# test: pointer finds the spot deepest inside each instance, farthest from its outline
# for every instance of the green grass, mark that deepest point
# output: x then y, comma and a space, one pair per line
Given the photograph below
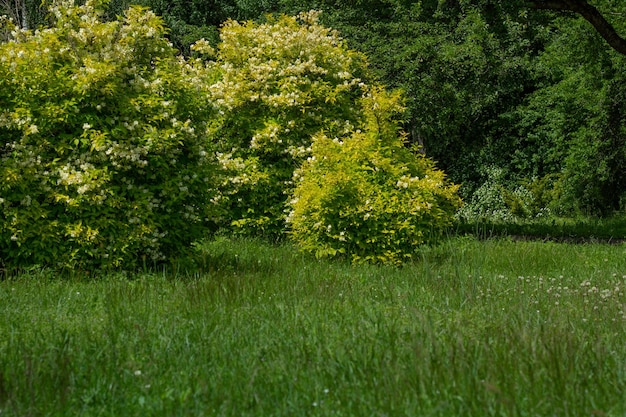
587, 229
491, 328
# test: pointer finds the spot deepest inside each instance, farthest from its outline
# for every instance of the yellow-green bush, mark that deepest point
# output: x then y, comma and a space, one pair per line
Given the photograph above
367, 196
103, 160
280, 82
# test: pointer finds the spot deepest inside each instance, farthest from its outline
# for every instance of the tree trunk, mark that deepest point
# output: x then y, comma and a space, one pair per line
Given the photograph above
24, 14
16, 10
591, 14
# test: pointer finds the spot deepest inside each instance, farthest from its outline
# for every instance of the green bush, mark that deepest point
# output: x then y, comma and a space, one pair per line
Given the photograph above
280, 83
366, 195
489, 201
103, 160
499, 199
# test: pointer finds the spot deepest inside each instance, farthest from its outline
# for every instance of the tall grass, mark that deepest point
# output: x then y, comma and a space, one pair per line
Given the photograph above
492, 328
581, 229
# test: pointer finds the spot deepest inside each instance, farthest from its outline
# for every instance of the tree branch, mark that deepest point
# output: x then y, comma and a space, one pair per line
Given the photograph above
591, 14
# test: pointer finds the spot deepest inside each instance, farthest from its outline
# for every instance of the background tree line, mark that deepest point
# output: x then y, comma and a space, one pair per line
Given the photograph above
525, 107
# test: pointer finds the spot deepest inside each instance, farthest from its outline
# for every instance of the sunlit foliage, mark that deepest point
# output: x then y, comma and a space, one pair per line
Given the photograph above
366, 195
281, 82
102, 159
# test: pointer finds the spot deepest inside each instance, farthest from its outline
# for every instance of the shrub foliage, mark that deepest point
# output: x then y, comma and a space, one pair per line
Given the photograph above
368, 196
102, 152
114, 150
280, 82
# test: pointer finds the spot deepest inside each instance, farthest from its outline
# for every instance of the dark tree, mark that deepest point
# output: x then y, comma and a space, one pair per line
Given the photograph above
591, 14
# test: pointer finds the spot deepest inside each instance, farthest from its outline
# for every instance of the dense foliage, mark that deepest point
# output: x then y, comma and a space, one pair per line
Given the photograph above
491, 85
102, 155
576, 121
495, 86
366, 195
279, 83
524, 108
108, 139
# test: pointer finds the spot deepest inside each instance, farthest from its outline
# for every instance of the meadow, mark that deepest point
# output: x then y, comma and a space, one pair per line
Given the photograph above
473, 328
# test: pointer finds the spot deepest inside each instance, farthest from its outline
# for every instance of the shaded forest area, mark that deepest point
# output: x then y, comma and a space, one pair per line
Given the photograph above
521, 102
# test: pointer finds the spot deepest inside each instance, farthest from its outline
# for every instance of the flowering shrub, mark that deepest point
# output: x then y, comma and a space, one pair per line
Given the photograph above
102, 152
280, 83
366, 195
488, 201
501, 200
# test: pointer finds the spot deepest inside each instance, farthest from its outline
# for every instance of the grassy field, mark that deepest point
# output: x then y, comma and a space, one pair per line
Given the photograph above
475, 328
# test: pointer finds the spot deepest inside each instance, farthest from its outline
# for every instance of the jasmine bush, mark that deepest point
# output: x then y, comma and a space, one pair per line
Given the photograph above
103, 158
279, 83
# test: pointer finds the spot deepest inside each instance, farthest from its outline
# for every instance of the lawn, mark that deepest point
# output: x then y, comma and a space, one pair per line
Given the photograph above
473, 328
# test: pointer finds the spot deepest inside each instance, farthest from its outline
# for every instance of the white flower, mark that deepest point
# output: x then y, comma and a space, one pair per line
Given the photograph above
402, 184
203, 46
86, 126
